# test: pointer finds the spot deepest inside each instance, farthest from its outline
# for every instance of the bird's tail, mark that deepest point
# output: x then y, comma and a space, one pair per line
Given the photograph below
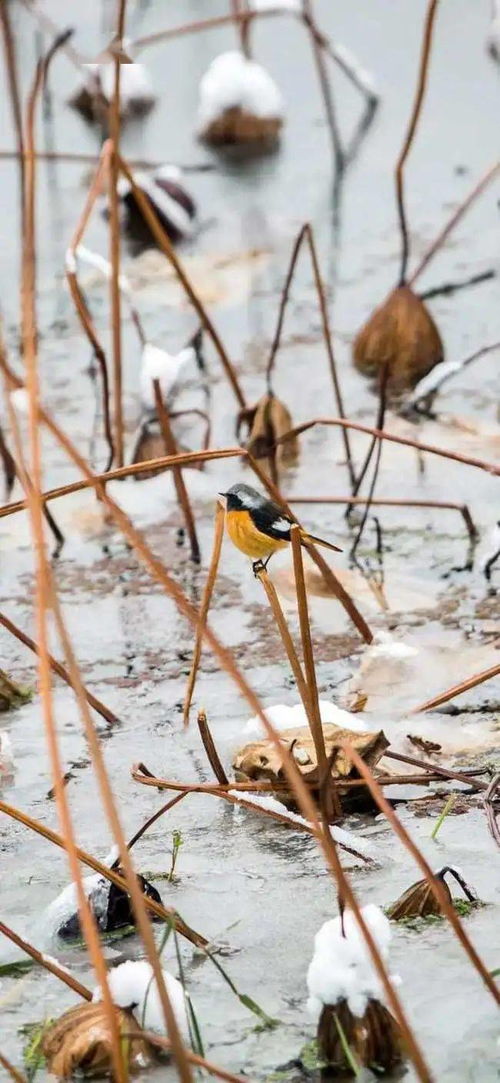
319, 541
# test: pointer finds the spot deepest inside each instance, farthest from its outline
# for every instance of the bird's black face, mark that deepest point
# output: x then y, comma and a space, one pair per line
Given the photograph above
233, 501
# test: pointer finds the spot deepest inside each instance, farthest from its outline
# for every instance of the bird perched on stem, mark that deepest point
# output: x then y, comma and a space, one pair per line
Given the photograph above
259, 527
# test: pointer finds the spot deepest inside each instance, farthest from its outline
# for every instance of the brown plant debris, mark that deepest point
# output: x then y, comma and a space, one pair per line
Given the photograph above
419, 900
260, 760
267, 422
402, 335
11, 694
374, 1038
424, 744
236, 126
80, 1042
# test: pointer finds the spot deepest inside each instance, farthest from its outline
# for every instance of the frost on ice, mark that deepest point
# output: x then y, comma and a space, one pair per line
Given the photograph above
132, 985
341, 967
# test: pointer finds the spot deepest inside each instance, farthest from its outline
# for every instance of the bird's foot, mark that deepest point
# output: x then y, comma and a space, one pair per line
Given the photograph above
258, 566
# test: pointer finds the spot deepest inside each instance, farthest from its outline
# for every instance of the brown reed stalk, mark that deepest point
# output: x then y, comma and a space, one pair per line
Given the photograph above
417, 105
55, 31
142, 920
383, 502
13, 82
114, 240
42, 575
58, 668
325, 87
44, 960
183, 458
210, 749
205, 605
286, 638
379, 424
193, 1058
90, 159
79, 299
141, 773
238, 12
232, 799
152, 819
434, 883
444, 233
405, 441
290, 769
164, 243
166, 913
14, 1073
467, 777
333, 808
306, 234
180, 485
457, 689
9, 466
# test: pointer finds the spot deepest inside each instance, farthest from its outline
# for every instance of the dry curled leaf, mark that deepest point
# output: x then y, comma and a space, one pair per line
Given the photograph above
80, 1042
267, 422
402, 335
235, 125
373, 1038
261, 761
423, 744
418, 901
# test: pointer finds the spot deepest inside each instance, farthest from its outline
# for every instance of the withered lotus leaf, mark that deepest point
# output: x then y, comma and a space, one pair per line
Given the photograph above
261, 761
80, 1042
401, 335
235, 125
267, 422
373, 1038
418, 901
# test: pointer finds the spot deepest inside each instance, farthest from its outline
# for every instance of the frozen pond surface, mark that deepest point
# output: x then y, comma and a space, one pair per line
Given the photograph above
260, 887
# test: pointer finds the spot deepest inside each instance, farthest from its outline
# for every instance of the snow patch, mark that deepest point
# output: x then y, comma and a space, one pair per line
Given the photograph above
342, 966
283, 717
132, 985
232, 81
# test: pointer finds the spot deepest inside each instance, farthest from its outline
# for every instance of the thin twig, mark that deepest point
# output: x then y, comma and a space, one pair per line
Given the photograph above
455, 456
163, 241
382, 502
448, 288
417, 105
457, 689
286, 638
152, 819
306, 234
180, 485
379, 425
205, 604
444, 233
58, 668
312, 702
210, 749
16, 1075
326, 90
467, 777
44, 960
10, 59
114, 242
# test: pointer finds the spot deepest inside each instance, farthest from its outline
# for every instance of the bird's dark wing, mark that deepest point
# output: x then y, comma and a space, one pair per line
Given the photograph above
271, 520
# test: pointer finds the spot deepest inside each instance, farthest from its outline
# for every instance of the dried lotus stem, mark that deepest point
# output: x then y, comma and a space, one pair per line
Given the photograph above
205, 605
180, 485
457, 689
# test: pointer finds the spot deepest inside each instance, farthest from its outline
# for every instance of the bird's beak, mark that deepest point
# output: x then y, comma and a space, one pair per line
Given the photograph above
221, 494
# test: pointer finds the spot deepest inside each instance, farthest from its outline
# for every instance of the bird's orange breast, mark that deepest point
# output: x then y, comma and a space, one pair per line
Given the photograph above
245, 536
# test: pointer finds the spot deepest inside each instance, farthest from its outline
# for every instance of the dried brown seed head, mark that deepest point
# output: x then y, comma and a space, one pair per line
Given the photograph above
402, 335
235, 126
373, 1038
267, 422
80, 1041
418, 901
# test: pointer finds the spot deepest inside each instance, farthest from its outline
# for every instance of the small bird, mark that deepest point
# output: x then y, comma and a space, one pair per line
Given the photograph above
259, 527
